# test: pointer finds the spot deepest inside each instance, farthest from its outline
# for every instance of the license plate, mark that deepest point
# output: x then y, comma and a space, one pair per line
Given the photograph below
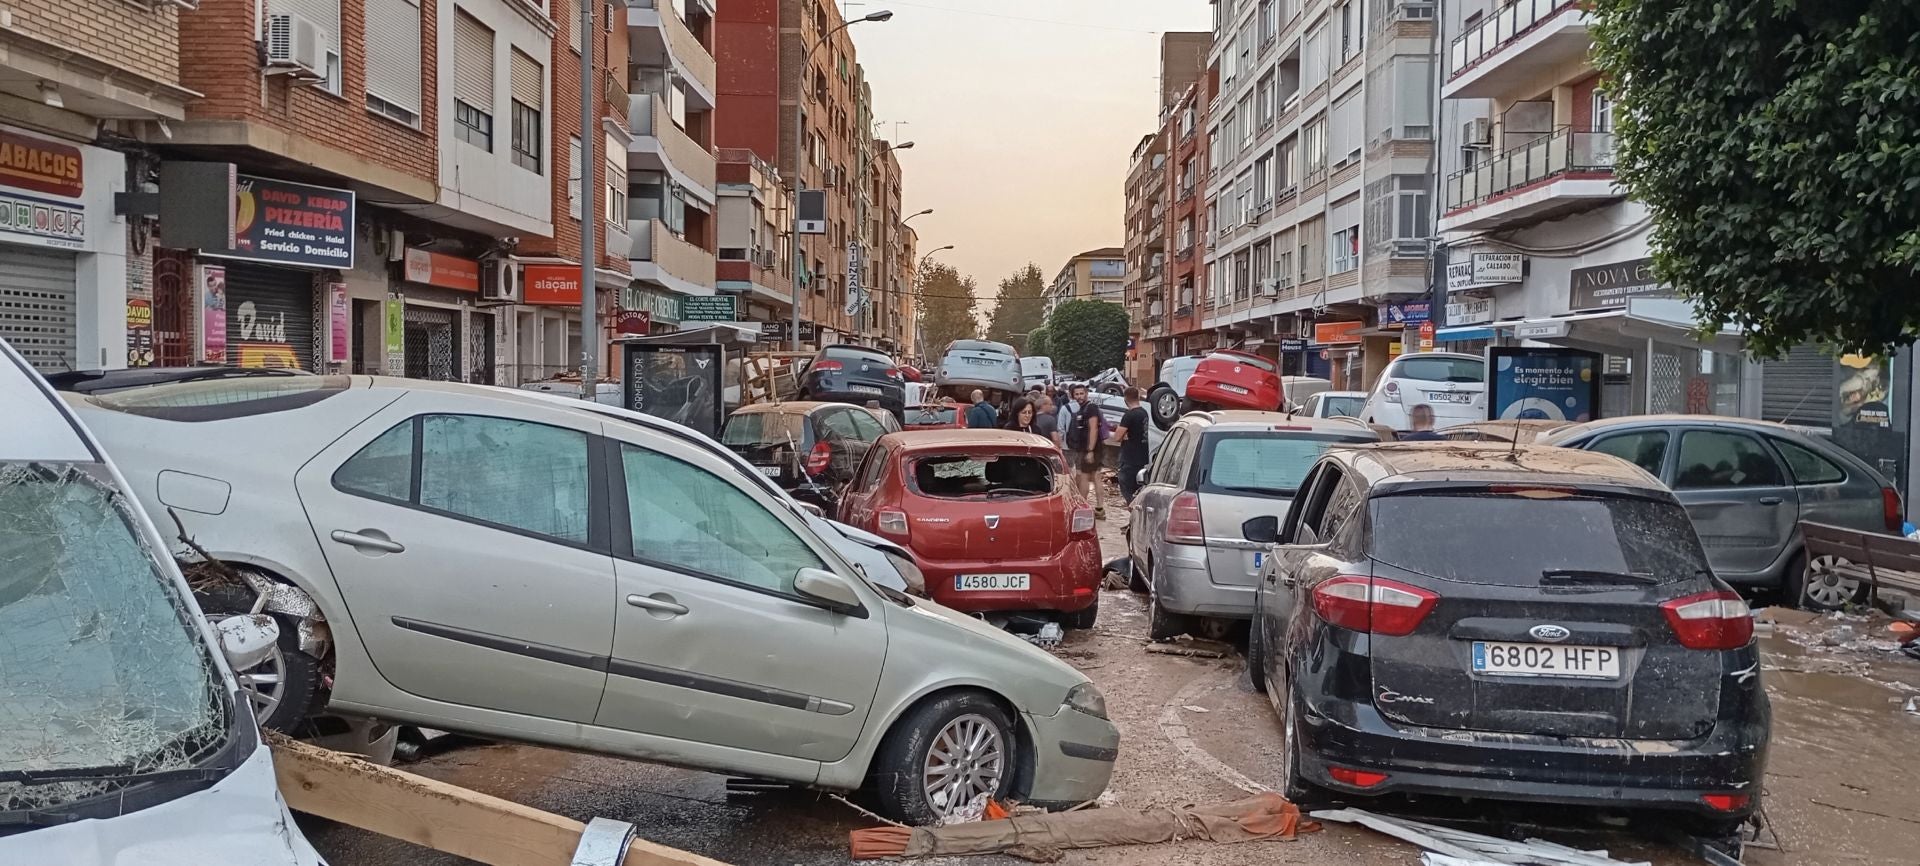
1544, 660
1448, 397
865, 389
978, 361
770, 471
992, 582
1234, 389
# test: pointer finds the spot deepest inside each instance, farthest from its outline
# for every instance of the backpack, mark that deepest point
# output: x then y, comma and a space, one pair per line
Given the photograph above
1083, 421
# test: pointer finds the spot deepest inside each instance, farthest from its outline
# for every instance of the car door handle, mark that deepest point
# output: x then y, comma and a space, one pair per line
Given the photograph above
657, 605
368, 542
1771, 500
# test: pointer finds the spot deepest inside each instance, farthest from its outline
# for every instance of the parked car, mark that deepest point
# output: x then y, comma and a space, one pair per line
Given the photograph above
1036, 372
112, 671
990, 517
1298, 389
1228, 379
1509, 623
809, 449
854, 374
108, 381
1747, 485
1454, 385
510, 567
1334, 404
932, 416
1214, 471
982, 364
1523, 431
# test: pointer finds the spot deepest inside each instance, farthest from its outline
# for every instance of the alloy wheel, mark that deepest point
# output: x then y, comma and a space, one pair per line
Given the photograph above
1167, 405
1826, 587
966, 760
264, 683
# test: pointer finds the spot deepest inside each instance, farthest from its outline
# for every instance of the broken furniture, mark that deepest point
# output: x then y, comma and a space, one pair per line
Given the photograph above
1873, 558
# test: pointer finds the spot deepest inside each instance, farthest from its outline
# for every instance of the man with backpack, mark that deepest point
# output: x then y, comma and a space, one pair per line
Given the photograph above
1080, 437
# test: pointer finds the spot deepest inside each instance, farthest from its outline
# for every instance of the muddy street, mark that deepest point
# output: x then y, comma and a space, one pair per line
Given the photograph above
1194, 731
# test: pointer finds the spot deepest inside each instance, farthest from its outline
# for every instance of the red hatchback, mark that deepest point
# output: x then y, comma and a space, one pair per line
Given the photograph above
990, 517
1227, 379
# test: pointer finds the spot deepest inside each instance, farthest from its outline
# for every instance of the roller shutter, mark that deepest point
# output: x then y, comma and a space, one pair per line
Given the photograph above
269, 317
472, 61
37, 289
1799, 388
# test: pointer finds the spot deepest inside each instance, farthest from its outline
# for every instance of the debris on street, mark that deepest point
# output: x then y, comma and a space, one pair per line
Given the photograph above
1048, 637
1446, 846
1041, 837
1198, 648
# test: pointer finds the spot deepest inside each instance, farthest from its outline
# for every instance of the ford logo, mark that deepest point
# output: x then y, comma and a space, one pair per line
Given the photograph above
1549, 633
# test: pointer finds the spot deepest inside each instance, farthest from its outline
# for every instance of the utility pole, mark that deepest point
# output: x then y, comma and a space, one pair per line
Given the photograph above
589, 221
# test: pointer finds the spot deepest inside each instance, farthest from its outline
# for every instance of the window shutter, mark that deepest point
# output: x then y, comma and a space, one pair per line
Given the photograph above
472, 62
529, 80
393, 52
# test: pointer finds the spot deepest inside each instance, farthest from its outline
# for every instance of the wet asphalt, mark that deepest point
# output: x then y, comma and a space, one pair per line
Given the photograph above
1841, 787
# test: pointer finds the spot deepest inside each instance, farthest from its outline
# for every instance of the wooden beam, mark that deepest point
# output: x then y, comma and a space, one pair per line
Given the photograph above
437, 815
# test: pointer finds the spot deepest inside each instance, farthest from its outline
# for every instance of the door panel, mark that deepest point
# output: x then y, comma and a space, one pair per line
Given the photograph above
470, 554
1739, 497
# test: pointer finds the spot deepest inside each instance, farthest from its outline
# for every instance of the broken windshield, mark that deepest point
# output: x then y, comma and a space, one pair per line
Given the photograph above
102, 674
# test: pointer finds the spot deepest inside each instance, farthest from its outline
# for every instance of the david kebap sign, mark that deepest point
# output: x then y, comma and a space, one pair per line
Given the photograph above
1485, 269
716, 308
292, 223
1609, 286
40, 186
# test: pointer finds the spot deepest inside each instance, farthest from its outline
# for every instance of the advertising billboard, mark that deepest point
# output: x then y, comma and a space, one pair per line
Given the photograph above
1542, 384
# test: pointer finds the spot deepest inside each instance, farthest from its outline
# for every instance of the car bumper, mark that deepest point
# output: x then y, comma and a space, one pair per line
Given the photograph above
1066, 582
1184, 584
895, 403
1073, 757
1212, 392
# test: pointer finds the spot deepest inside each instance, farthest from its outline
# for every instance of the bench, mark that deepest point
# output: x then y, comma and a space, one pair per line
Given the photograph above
1875, 558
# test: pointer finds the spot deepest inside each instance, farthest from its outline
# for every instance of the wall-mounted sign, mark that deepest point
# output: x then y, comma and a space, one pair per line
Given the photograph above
139, 332
712, 308
813, 212
1610, 286
396, 333
288, 223
41, 166
1426, 336
1293, 344
639, 322
1469, 311
213, 314
40, 186
439, 269
1337, 333
339, 322
1479, 270
1549, 330
1405, 314
550, 285
1543, 384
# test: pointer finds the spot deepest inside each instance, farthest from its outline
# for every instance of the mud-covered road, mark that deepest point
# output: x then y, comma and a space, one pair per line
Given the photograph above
1840, 788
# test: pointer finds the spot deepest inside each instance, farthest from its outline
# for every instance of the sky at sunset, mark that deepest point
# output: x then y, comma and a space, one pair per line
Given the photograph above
1023, 115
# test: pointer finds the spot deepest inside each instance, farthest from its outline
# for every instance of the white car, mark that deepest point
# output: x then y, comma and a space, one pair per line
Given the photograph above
1335, 404
1453, 384
982, 364
1036, 371
522, 568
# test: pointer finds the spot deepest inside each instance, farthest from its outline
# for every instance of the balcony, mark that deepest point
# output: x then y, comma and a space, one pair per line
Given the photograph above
1518, 50
658, 38
657, 256
661, 145
1558, 173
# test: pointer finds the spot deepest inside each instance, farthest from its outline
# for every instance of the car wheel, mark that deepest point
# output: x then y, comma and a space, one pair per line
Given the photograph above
1137, 578
1165, 407
1256, 658
285, 688
1815, 585
1085, 618
1163, 624
1293, 785
943, 756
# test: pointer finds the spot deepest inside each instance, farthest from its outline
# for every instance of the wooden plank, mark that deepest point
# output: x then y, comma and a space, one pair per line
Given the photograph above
437, 815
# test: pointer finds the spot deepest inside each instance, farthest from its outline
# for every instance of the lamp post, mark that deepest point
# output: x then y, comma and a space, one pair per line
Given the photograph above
799, 143
920, 214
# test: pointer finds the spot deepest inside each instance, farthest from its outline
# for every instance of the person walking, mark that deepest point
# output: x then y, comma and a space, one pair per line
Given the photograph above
1045, 422
1132, 439
1021, 415
982, 416
1063, 420
1083, 450
1421, 417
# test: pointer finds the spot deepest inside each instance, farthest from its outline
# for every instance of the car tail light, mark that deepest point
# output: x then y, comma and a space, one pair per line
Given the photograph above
819, 458
828, 366
1393, 392
1717, 620
894, 373
1183, 520
1356, 778
894, 522
1891, 510
1372, 605
1082, 520
1726, 802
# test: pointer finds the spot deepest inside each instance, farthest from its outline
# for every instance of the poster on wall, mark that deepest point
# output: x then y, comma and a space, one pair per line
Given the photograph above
1542, 384
139, 332
339, 321
213, 314
679, 383
1863, 417
396, 334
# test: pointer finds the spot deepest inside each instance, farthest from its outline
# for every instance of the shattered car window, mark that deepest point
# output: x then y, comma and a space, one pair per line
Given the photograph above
962, 477
100, 667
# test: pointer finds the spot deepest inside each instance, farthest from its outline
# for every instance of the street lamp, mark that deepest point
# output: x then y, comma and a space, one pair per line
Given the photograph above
931, 253
799, 134
920, 214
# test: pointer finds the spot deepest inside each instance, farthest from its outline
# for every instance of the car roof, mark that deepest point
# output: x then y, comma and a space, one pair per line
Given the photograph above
1668, 420
852, 347
920, 441
789, 407
1247, 419
1337, 394
1394, 463
980, 346
39, 426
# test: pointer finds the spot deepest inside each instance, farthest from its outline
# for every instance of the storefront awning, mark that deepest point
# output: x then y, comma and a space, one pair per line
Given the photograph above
724, 333
1662, 320
1464, 333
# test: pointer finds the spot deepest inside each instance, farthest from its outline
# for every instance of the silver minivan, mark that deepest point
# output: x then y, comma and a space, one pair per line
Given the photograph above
1213, 472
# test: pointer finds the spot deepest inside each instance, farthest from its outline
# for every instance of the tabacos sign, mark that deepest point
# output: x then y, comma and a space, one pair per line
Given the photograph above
40, 186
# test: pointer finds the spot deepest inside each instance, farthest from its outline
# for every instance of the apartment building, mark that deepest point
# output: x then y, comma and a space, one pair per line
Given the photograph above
754, 260
1095, 275
671, 213
1149, 220
890, 311
1320, 189
1189, 296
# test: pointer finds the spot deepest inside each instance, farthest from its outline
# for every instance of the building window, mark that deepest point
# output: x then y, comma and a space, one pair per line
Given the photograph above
529, 89
1263, 181
1602, 111
1266, 97
1269, 22
1349, 33
1346, 250
573, 176
393, 60
473, 81
473, 126
1262, 260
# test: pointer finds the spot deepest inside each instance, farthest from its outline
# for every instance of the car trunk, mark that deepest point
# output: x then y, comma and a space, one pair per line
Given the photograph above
1564, 592
775, 443
1452, 402
990, 507
1247, 474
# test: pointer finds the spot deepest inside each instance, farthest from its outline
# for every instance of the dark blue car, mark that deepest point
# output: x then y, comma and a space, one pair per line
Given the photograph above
857, 375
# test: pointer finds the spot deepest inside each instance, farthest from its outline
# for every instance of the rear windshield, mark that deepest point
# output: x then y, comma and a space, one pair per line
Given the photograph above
1498, 538
1263, 463
854, 353
930, 414
1441, 369
1337, 406
765, 428
980, 346
220, 399
1249, 360
960, 477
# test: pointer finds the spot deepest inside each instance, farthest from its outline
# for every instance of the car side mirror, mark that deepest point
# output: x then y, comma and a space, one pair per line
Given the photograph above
811, 508
1142, 477
247, 640
1261, 530
829, 589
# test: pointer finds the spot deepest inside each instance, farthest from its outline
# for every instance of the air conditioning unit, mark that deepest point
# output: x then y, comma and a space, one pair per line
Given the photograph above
1270, 287
499, 281
297, 45
1477, 132
833, 178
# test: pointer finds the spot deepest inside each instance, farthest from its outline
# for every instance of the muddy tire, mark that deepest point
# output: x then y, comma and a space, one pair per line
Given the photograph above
928, 765
1293, 785
1137, 579
286, 688
1083, 619
1812, 585
1164, 405
1256, 658
1163, 624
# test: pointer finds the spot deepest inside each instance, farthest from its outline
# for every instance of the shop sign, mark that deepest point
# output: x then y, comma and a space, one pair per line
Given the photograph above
396, 331
292, 224
856, 297
339, 321
712, 308
781, 331
1337, 333
40, 186
639, 322
1426, 336
550, 285
1293, 344
1609, 286
1405, 314
1480, 270
1551, 330
213, 314
1542, 384
139, 332
439, 269
1469, 311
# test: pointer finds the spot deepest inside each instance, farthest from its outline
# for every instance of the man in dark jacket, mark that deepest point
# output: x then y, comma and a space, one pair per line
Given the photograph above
982, 416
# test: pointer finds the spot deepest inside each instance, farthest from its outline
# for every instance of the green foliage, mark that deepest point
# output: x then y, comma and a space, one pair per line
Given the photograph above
947, 301
1086, 337
1039, 343
1778, 145
1022, 307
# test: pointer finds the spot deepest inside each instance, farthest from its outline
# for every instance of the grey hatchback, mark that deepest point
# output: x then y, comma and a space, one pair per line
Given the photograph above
1747, 485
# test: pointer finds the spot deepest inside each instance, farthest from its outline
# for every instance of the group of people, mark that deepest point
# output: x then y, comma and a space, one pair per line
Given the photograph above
1075, 424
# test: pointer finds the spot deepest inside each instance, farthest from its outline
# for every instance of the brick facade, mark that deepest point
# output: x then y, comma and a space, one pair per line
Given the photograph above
120, 33
610, 61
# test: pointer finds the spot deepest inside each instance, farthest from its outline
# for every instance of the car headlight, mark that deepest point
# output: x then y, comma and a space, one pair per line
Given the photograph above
916, 581
1086, 698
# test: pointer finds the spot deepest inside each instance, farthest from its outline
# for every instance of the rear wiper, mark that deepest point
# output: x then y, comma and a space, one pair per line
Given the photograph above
1581, 575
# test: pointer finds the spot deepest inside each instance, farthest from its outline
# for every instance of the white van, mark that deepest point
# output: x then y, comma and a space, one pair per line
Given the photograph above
1036, 372
123, 735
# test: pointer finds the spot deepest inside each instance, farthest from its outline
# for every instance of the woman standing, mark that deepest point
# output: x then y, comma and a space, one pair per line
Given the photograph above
1020, 416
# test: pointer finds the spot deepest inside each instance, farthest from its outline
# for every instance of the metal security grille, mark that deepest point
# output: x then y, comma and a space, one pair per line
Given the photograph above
269, 317
479, 356
1799, 388
1666, 390
430, 344
37, 289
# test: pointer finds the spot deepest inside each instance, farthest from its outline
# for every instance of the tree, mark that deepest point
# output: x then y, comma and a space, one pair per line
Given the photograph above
946, 304
1038, 342
1086, 337
1778, 147
1021, 308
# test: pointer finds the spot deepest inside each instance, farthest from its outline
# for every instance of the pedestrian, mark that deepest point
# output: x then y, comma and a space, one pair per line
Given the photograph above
1063, 419
1132, 439
1083, 450
1421, 417
1045, 422
1021, 415
982, 416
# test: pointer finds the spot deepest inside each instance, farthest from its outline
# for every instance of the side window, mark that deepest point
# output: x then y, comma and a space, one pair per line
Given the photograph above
872, 470
836, 425
688, 519
1716, 458
1341, 508
1311, 525
1646, 449
1807, 466
383, 469
1168, 456
516, 474
865, 426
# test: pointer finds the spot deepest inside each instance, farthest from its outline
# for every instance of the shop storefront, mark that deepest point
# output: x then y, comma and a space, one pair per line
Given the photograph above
63, 275
444, 336
647, 312
1337, 355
